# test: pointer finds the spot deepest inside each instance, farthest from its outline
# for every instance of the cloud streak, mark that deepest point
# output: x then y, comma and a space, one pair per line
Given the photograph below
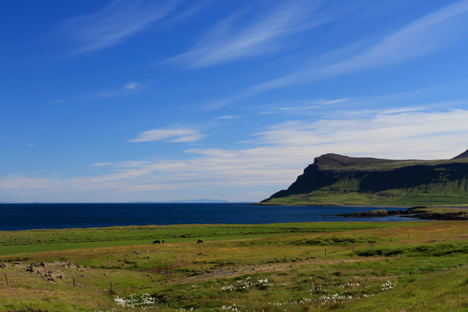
432, 32
169, 135
233, 38
114, 24
127, 89
435, 31
280, 153
285, 149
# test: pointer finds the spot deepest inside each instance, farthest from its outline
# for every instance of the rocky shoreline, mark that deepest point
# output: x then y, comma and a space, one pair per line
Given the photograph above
414, 212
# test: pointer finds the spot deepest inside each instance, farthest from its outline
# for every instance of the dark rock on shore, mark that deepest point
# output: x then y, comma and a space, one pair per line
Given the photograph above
414, 212
374, 213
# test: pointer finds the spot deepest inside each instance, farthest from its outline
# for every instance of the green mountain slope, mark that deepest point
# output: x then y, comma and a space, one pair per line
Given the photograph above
340, 180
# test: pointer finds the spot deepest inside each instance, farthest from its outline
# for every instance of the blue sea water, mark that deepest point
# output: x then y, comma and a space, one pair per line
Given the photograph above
14, 217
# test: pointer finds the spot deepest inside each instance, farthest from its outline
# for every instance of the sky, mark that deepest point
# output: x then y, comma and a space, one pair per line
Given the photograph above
155, 100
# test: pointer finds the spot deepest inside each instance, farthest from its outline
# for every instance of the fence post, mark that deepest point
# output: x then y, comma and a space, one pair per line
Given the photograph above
6, 278
111, 288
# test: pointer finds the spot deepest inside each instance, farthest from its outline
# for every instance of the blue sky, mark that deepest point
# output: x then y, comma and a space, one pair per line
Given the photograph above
116, 101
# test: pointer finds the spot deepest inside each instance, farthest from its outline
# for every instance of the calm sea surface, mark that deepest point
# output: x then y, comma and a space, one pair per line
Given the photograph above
56, 216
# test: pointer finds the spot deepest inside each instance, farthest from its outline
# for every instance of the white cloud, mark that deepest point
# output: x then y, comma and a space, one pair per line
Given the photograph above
402, 134
329, 102
115, 23
19, 182
127, 89
229, 117
434, 31
132, 85
279, 155
234, 38
169, 135
102, 164
284, 150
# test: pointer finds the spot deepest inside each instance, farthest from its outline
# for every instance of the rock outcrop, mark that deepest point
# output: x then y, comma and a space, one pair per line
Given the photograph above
337, 179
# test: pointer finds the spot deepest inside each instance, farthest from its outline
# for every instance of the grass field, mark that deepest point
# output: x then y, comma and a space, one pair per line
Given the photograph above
352, 266
389, 198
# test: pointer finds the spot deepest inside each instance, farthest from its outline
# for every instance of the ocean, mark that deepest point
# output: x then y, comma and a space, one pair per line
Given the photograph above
14, 217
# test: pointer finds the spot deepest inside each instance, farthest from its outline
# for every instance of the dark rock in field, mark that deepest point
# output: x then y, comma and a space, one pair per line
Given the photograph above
82, 275
56, 262
43, 265
105, 274
147, 257
18, 263
4, 266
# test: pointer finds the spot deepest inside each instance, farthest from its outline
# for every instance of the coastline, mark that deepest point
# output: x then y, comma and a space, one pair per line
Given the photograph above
418, 212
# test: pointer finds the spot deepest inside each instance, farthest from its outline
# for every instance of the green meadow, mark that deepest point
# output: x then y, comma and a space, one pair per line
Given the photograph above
339, 266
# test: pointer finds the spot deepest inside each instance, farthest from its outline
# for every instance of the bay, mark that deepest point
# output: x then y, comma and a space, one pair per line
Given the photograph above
14, 217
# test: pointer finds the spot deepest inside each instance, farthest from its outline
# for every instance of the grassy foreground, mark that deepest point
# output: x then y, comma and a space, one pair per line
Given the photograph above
352, 266
395, 197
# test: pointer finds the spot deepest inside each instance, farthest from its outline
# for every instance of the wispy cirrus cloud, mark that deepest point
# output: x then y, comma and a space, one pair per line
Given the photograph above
127, 89
102, 164
229, 117
17, 181
115, 23
169, 135
235, 38
435, 31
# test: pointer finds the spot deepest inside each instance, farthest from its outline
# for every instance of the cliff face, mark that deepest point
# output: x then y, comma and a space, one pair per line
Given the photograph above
337, 179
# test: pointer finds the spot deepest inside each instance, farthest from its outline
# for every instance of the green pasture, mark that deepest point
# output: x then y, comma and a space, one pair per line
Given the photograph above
349, 266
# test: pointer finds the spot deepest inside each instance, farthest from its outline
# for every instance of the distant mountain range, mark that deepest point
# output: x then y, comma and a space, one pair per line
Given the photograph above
341, 180
189, 201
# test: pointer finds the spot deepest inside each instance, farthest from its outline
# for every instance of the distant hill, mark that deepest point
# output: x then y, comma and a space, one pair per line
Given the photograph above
190, 201
341, 180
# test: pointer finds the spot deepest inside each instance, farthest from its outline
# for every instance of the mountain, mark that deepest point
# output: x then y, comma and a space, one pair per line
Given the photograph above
201, 201
189, 201
341, 180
